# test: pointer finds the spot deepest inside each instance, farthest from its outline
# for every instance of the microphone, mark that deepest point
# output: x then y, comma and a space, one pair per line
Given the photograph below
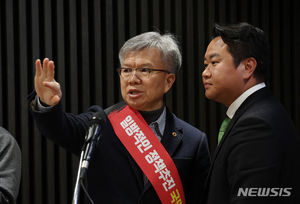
92, 137
97, 119
93, 134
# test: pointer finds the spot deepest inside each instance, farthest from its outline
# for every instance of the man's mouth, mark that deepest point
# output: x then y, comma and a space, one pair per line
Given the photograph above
134, 93
207, 85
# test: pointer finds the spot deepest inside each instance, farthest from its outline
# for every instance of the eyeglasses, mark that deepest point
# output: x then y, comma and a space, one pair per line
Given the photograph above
140, 72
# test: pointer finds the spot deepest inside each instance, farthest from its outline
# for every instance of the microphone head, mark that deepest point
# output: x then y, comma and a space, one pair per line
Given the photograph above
96, 124
98, 118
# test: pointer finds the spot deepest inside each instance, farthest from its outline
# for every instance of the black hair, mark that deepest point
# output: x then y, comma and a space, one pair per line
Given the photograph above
244, 41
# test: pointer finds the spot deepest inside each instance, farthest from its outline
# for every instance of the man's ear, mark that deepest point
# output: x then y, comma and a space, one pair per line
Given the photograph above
170, 79
249, 67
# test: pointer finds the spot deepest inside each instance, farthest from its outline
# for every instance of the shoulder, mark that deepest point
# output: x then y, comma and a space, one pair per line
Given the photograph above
261, 104
264, 108
7, 140
263, 117
115, 107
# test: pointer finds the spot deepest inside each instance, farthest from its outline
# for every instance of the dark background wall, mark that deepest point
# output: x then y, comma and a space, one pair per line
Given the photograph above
84, 36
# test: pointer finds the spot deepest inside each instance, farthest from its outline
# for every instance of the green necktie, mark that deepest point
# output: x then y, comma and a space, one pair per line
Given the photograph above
223, 127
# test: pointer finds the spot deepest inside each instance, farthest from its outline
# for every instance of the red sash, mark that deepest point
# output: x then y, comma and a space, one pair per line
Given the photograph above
148, 152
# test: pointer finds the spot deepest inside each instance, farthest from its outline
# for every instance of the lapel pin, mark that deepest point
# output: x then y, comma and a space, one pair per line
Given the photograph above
174, 134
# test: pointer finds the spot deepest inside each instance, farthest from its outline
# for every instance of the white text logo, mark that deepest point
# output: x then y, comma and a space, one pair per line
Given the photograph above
264, 192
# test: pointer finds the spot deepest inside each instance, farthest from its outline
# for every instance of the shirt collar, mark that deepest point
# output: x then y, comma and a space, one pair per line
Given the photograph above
238, 102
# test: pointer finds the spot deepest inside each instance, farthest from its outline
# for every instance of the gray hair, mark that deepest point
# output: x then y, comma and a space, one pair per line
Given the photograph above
167, 44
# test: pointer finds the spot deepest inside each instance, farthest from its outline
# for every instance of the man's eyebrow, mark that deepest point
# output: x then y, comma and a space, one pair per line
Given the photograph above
146, 65
141, 65
212, 55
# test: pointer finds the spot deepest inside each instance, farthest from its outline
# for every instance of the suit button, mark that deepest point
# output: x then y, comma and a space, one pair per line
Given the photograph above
174, 134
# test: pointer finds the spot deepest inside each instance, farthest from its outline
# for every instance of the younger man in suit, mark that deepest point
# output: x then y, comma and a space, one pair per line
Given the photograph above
256, 160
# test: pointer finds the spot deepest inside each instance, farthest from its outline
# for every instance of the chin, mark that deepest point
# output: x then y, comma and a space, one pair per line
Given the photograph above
208, 96
136, 106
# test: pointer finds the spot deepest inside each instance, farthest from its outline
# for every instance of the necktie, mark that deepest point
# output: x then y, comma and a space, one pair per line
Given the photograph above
223, 127
157, 130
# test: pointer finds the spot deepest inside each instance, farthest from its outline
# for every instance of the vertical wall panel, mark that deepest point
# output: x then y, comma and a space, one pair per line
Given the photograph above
167, 21
96, 52
23, 62
286, 66
61, 169
11, 72
49, 149
132, 8
178, 86
276, 53
121, 33
200, 39
295, 59
156, 14
84, 36
84, 57
110, 63
189, 61
233, 10
36, 156
2, 70
72, 85
144, 15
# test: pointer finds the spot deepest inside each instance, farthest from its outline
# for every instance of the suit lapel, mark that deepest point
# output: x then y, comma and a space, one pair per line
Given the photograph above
171, 139
240, 111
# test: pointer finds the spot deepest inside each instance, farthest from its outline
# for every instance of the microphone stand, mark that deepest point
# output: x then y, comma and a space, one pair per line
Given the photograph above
77, 187
85, 156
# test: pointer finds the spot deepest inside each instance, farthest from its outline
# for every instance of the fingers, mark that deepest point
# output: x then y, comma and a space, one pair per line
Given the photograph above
54, 86
38, 68
44, 67
50, 71
45, 70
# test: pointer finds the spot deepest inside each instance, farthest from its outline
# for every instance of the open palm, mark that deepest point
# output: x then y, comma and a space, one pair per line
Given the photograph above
45, 85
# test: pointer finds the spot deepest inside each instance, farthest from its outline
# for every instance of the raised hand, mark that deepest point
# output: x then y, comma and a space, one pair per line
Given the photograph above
44, 83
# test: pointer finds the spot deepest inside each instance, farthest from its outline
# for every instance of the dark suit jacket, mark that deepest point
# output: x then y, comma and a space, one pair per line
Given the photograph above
260, 148
113, 176
10, 167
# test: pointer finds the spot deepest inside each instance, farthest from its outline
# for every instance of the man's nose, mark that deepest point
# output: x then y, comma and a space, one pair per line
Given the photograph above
134, 78
206, 73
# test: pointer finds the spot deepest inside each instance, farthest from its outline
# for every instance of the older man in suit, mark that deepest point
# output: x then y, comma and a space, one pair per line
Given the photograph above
256, 160
149, 63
